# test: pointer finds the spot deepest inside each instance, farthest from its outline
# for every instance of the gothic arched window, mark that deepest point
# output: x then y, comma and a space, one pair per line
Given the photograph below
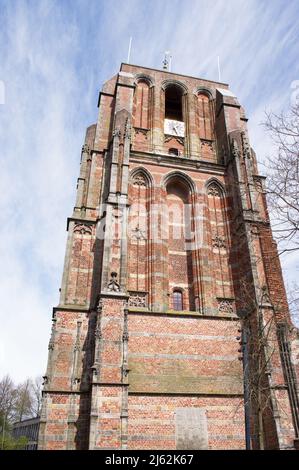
205, 121
220, 243
173, 103
141, 105
177, 300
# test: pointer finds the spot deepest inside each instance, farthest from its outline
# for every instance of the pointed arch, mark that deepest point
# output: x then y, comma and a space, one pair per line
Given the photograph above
219, 238
169, 82
139, 236
141, 104
178, 190
144, 77
176, 174
141, 171
205, 114
205, 91
214, 185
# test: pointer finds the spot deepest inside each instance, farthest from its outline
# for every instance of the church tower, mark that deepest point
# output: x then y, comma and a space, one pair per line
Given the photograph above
172, 329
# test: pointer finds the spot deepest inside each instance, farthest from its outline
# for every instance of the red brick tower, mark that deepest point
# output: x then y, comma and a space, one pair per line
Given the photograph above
169, 259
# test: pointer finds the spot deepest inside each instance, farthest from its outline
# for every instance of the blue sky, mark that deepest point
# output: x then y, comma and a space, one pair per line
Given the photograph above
54, 58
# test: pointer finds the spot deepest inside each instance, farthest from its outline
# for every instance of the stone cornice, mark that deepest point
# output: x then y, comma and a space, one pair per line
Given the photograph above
229, 105
167, 72
125, 85
71, 308
177, 162
185, 394
184, 314
82, 221
103, 93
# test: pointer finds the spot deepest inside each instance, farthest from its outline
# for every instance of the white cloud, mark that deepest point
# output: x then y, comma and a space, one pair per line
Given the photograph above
54, 58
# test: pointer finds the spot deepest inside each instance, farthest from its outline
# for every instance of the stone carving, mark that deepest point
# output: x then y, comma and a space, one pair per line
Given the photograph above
113, 285
127, 129
116, 132
45, 380
191, 430
214, 190
77, 346
180, 140
138, 234
265, 297
235, 149
100, 305
52, 338
117, 212
83, 229
139, 130
226, 306
97, 332
218, 242
139, 180
246, 146
258, 184
125, 370
223, 153
137, 299
85, 148
254, 230
207, 144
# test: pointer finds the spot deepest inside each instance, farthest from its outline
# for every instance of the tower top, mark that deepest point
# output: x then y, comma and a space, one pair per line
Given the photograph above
134, 68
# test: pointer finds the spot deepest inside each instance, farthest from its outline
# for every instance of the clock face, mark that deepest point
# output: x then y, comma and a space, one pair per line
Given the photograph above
173, 127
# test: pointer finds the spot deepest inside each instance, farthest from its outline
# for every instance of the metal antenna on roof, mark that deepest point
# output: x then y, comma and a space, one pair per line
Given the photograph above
219, 74
129, 50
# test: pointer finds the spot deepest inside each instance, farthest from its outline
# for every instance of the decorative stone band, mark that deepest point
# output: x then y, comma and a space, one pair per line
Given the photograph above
83, 229
113, 285
85, 148
245, 145
218, 242
205, 143
139, 180
214, 190
168, 138
226, 305
138, 299
140, 130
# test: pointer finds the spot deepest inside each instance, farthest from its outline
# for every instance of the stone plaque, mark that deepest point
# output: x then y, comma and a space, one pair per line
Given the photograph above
191, 430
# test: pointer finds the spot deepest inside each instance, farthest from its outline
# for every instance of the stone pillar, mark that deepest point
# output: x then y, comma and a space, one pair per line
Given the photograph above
108, 426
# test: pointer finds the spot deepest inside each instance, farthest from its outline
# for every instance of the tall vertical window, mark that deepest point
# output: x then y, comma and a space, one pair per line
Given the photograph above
173, 103
178, 233
177, 300
220, 241
138, 234
141, 105
205, 121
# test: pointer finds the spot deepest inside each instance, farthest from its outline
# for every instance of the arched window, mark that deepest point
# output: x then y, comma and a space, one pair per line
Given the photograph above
138, 239
174, 126
220, 243
173, 103
177, 300
141, 105
178, 231
205, 121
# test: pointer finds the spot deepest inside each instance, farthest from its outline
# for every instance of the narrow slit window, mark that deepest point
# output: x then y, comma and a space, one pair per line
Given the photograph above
177, 300
173, 151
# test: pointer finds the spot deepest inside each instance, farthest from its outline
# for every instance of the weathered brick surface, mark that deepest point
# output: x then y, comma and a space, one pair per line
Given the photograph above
152, 421
169, 246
